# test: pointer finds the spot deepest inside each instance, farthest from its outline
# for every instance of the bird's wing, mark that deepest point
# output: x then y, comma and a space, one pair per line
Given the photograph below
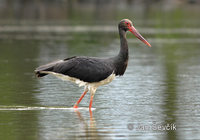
86, 69
49, 67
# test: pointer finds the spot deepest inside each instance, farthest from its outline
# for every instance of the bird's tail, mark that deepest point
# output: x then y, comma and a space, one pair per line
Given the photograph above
44, 69
39, 73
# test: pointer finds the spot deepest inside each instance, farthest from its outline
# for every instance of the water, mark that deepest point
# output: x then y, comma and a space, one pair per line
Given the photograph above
160, 87
157, 98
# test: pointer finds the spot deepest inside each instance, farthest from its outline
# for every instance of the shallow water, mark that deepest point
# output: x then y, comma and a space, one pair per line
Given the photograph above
158, 91
157, 98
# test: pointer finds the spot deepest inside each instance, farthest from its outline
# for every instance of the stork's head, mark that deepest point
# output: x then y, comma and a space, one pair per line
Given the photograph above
127, 25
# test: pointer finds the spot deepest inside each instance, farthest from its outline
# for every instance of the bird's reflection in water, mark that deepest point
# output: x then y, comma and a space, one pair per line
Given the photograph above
89, 130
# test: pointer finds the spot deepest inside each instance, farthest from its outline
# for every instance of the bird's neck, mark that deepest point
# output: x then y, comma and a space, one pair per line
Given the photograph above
123, 53
121, 60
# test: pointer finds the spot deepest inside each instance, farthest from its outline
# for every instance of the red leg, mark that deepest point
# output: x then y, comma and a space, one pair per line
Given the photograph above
76, 105
92, 121
91, 99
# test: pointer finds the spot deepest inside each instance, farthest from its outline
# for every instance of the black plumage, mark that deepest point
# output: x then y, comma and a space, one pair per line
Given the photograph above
91, 69
94, 71
87, 69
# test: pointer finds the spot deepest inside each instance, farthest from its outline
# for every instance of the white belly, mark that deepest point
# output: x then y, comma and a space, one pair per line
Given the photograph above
80, 82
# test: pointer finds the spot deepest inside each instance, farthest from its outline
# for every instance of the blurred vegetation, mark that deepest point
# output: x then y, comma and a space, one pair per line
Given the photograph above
170, 13
36, 19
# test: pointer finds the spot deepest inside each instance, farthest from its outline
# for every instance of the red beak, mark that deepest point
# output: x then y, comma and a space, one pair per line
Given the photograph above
138, 35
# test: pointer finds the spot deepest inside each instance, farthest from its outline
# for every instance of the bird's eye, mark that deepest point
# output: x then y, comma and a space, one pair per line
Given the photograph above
128, 24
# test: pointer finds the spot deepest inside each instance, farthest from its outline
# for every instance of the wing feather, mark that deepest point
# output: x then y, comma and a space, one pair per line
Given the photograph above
85, 68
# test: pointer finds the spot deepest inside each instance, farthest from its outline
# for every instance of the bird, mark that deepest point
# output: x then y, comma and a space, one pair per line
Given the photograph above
92, 72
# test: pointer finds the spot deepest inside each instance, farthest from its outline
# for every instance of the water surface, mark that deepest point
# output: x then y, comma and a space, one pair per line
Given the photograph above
160, 87
157, 98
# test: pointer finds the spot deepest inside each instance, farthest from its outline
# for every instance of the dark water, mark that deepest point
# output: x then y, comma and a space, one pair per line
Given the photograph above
157, 98
160, 88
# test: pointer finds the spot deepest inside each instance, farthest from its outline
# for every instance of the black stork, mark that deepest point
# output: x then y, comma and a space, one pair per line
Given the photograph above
93, 72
